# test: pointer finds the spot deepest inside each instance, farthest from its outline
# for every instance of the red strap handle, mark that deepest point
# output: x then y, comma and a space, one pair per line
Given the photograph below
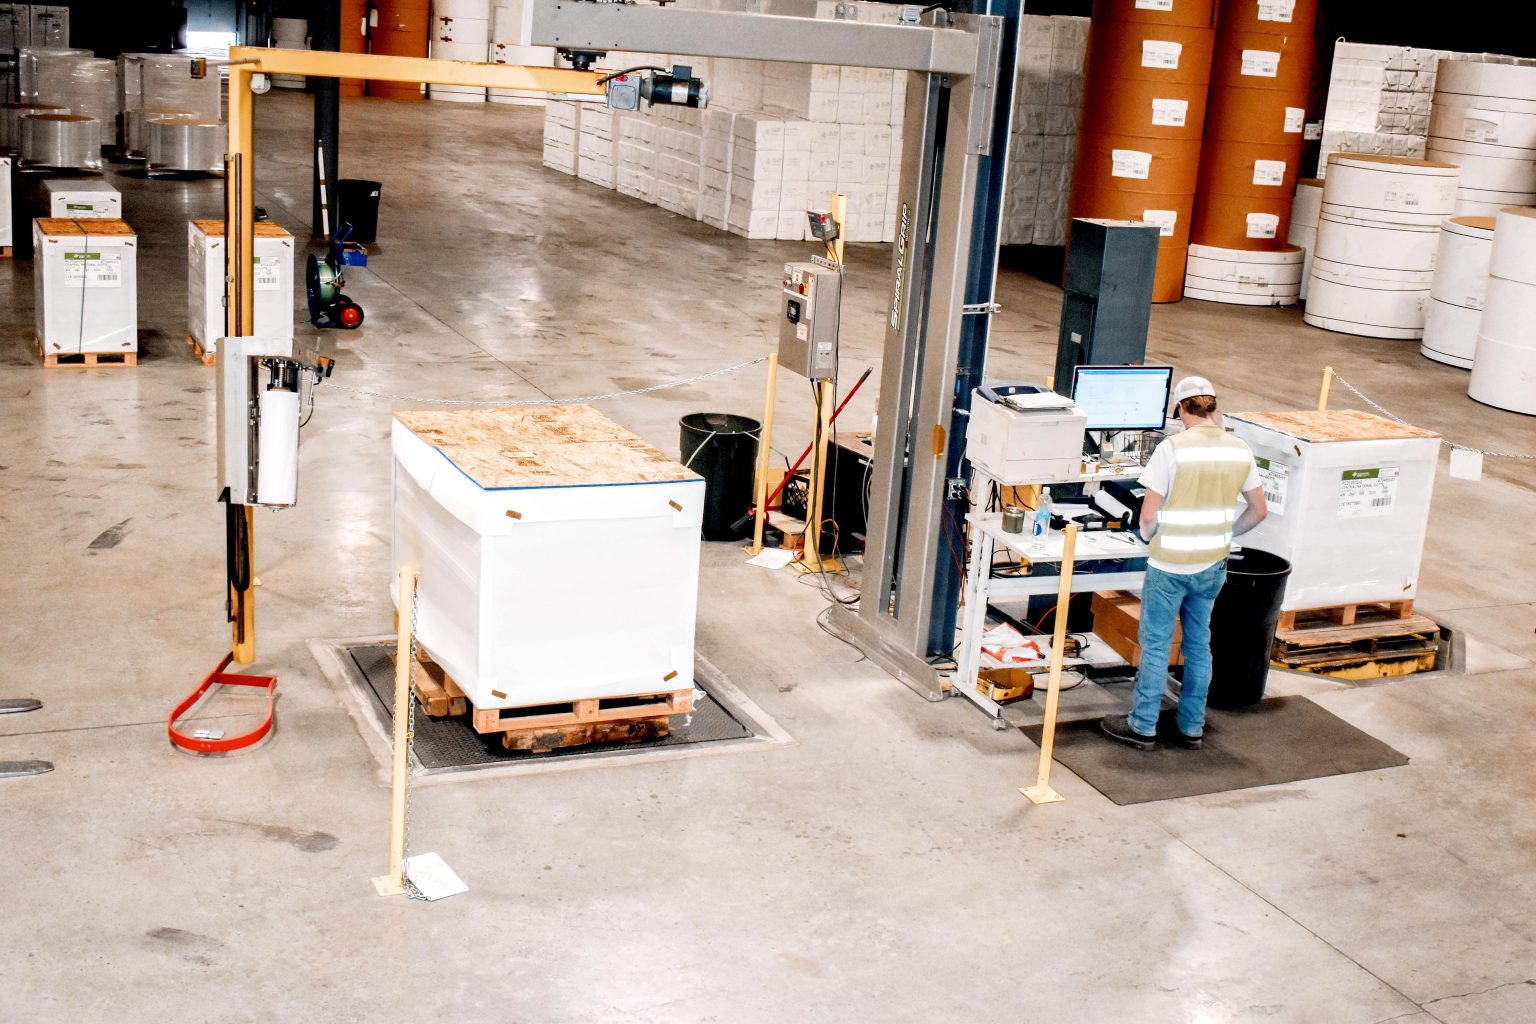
218, 677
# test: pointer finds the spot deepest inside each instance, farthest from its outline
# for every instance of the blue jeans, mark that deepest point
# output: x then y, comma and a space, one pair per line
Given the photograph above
1169, 598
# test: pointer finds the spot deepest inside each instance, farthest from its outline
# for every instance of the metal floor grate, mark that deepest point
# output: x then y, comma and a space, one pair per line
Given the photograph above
443, 744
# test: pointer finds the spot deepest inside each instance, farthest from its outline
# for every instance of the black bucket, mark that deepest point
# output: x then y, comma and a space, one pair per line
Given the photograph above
1243, 623
357, 203
722, 448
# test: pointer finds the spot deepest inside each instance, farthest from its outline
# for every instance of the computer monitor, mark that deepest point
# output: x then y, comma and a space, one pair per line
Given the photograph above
1123, 397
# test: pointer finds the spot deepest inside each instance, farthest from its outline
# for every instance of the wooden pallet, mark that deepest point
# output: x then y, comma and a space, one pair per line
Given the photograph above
5, 252
85, 359
1380, 646
208, 358
1344, 614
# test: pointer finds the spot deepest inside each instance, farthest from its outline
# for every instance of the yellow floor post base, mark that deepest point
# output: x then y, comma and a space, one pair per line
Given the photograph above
1041, 794
388, 885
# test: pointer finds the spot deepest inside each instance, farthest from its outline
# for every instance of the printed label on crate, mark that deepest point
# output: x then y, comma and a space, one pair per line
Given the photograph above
84, 207
1170, 113
267, 278
1261, 63
1130, 163
1312, 132
1277, 10
1263, 225
93, 270
1160, 53
1154, 5
1269, 172
1166, 221
1367, 492
1482, 126
1275, 478
1295, 119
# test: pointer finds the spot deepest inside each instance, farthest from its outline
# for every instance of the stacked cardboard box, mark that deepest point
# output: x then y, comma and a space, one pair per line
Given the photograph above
1047, 95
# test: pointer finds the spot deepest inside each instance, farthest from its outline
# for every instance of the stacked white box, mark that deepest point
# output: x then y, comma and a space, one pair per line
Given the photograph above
206, 269
1047, 94
85, 286
596, 147
83, 197
6, 238
1348, 496
562, 128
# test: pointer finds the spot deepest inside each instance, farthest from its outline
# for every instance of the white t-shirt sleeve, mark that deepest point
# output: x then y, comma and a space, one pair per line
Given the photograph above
1252, 480
1158, 474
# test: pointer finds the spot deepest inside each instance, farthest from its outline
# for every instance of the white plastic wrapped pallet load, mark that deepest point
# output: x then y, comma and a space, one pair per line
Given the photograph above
558, 553
274, 253
85, 286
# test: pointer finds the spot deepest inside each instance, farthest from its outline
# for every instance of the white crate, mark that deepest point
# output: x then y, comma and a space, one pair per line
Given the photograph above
206, 266
1349, 514
567, 575
85, 286
83, 197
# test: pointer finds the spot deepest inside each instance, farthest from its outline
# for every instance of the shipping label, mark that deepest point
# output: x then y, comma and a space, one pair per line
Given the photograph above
1277, 10
1269, 172
266, 274
1400, 197
1170, 113
1261, 63
1160, 53
1166, 221
1367, 492
1482, 126
1154, 5
1263, 225
1295, 119
1313, 131
93, 270
1275, 478
1130, 163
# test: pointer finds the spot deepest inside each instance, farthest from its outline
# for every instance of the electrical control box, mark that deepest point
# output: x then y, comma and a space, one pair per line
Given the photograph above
808, 331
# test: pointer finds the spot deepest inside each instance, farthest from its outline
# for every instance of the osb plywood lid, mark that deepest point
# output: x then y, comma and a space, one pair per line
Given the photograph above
542, 446
96, 227
1334, 425
264, 229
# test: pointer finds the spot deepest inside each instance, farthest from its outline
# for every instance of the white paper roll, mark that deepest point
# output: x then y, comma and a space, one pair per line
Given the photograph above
1490, 168
1485, 78
1193, 289
1504, 375
1364, 311
1396, 189
1472, 202
277, 448
1509, 310
1307, 205
1363, 243
1513, 256
1450, 333
1508, 123
1374, 278
1461, 262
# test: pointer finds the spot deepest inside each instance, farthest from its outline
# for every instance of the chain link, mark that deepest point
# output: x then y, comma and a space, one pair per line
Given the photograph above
583, 400
410, 738
1445, 441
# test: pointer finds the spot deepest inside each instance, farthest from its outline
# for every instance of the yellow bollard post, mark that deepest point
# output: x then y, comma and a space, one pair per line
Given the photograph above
764, 458
393, 884
1041, 792
1327, 386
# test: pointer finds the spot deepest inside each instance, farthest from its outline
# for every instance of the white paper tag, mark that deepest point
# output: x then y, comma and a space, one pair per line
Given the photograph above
1466, 464
1263, 225
1130, 163
1313, 131
1481, 126
1277, 10
773, 558
1269, 172
431, 877
1160, 53
1154, 5
1400, 197
266, 274
1170, 113
1260, 63
1295, 119
1166, 221
1367, 492
93, 270
1275, 478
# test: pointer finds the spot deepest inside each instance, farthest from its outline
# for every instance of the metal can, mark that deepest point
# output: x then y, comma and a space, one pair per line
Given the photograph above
1013, 519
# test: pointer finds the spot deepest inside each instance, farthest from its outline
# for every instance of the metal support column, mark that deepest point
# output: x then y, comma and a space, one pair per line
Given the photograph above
325, 35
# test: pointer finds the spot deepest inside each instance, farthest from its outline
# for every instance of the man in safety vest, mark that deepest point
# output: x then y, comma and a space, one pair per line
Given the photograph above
1189, 517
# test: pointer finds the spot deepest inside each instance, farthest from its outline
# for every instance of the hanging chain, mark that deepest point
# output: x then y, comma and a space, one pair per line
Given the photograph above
1398, 419
583, 400
410, 739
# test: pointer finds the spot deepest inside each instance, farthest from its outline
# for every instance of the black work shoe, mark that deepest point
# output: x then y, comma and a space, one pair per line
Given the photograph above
1188, 742
1118, 727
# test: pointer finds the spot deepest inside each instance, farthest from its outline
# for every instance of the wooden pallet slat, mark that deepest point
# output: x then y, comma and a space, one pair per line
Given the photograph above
5, 252
87, 360
1344, 614
208, 358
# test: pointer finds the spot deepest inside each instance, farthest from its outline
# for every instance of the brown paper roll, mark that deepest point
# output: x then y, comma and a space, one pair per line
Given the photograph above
1129, 106
1259, 60
1244, 168
1255, 115
1115, 205
1170, 166
1266, 15
1168, 282
1223, 221
1120, 49
1188, 13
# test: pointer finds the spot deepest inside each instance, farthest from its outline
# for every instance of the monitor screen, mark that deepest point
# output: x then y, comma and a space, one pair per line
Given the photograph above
1123, 397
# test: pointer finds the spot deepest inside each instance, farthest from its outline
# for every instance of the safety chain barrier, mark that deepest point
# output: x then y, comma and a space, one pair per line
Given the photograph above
1445, 441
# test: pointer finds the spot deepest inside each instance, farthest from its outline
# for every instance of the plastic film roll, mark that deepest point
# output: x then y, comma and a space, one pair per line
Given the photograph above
177, 145
136, 128
61, 140
277, 448
43, 73
10, 121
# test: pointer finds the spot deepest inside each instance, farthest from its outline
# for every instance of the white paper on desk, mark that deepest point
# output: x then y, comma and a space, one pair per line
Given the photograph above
432, 877
1007, 646
773, 558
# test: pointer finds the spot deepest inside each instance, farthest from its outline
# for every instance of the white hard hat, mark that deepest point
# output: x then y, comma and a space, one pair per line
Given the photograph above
1192, 387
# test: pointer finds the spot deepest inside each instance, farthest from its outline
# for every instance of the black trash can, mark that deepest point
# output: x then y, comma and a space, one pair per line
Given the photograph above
722, 448
1243, 625
357, 203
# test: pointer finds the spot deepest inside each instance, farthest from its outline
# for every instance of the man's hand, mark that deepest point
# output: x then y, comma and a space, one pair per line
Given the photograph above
1149, 508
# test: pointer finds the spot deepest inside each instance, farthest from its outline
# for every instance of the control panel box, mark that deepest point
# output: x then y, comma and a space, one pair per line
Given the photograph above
808, 331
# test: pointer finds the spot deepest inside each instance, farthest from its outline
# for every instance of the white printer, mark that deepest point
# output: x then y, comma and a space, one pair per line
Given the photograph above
1025, 434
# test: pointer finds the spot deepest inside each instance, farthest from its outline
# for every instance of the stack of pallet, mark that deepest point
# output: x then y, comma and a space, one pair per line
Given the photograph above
1047, 96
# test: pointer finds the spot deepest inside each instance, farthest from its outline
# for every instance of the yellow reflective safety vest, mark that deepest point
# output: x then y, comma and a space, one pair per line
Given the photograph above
1194, 525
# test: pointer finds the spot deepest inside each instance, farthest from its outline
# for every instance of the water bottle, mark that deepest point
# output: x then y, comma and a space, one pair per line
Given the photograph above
1040, 525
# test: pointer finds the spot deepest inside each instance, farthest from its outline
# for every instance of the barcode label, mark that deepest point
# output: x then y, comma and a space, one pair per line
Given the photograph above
1277, 10
1269, 172
1130, 163
93, 270
1295, 119
1367, 492
1160, 53
1275, 478
1260, 63
1170, 113
267, 278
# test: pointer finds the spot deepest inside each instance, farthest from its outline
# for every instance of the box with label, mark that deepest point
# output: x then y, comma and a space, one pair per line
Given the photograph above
273, 276
83, 197
1348, 495
85, 286
514, 519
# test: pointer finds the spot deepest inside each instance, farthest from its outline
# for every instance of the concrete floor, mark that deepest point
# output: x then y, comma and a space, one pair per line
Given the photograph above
883, 867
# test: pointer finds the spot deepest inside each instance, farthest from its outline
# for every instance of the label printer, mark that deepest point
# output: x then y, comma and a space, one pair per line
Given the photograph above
1025, 434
